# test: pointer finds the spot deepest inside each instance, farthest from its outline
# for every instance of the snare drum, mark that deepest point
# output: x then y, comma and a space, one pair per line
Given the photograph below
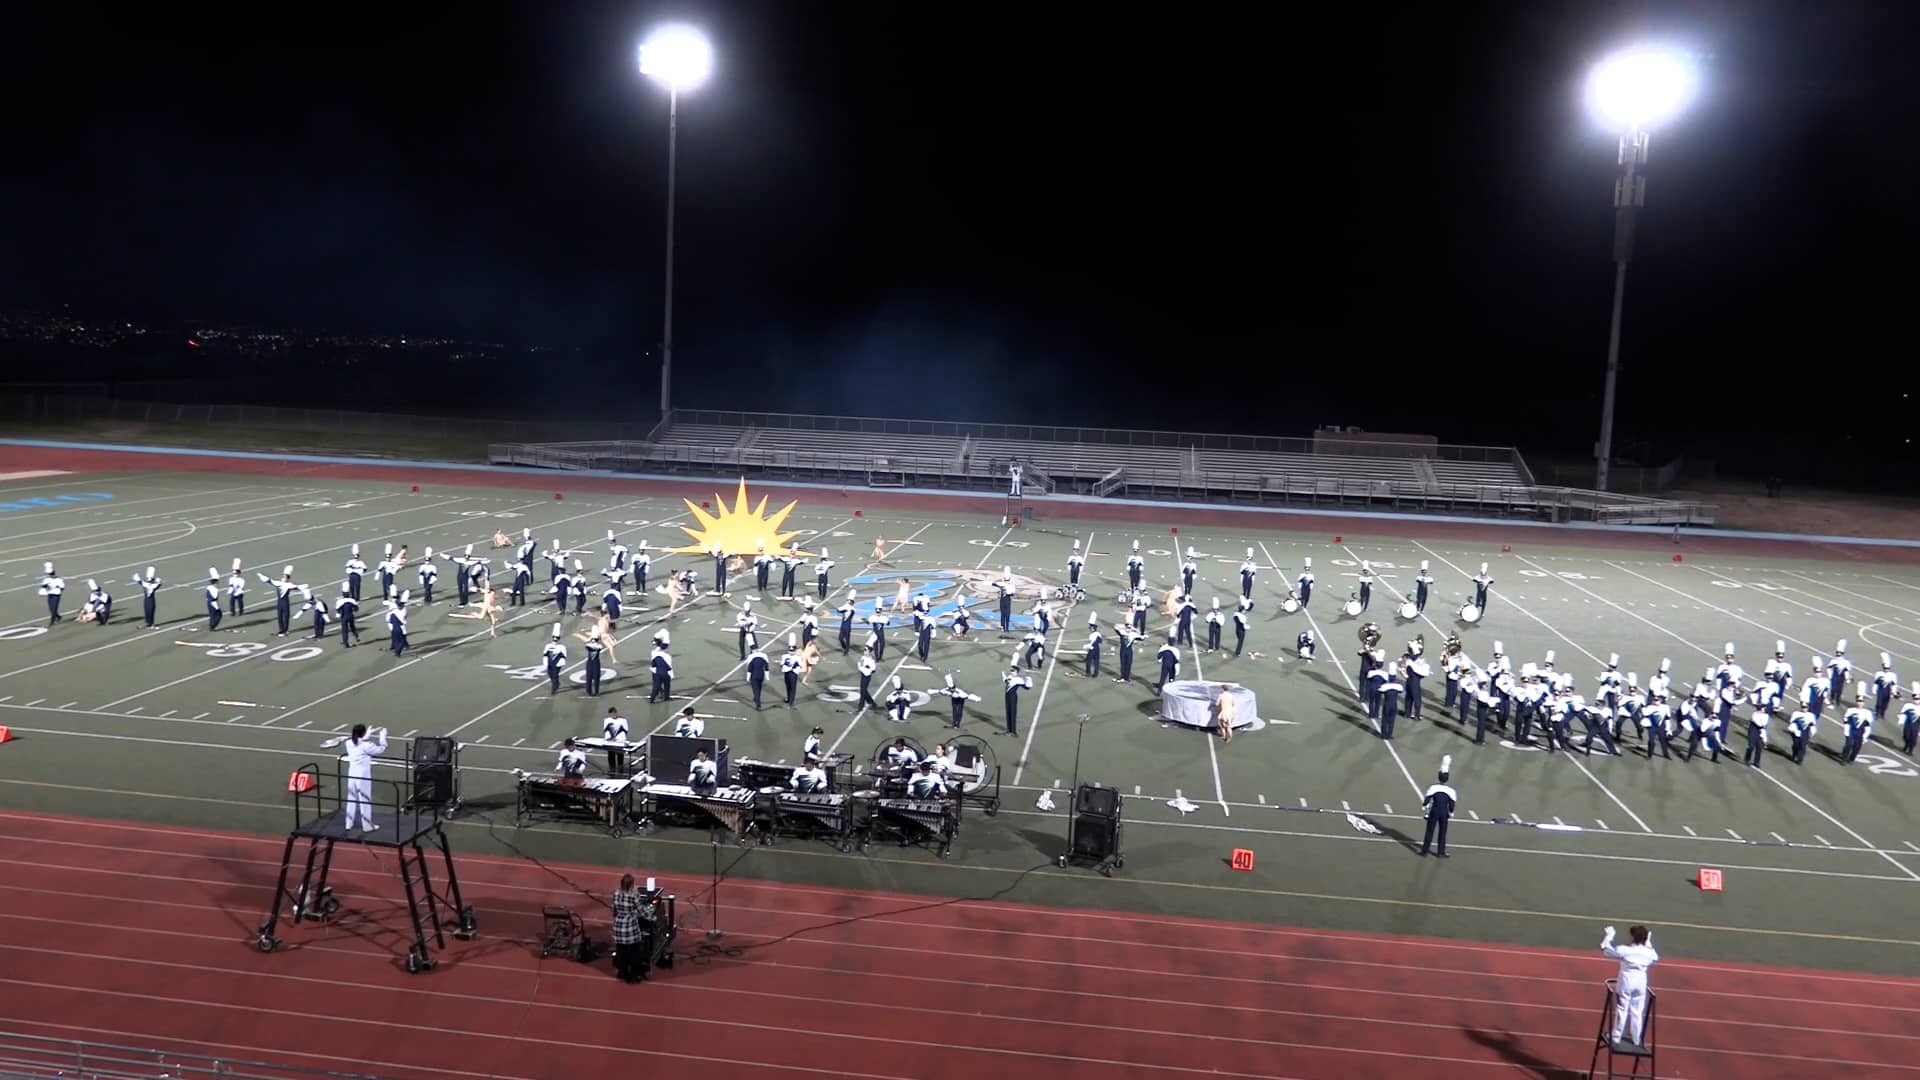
1409, 610
1469, 613
1352, 607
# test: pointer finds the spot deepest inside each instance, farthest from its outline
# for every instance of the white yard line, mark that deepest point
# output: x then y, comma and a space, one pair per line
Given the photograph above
1874, 620
1053, 661
1213, 756
1604, 789
85, 526
1334, 655
1836, 588
1769, 777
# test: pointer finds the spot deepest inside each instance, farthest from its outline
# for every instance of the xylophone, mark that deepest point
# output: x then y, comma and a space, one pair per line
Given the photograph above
727, 807
606, 800
912, 821
790, 813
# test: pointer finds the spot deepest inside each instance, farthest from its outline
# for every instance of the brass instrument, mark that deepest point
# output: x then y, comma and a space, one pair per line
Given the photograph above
1369, 636
1418, 646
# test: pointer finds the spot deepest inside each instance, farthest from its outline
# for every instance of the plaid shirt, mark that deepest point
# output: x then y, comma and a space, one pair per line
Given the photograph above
629, 909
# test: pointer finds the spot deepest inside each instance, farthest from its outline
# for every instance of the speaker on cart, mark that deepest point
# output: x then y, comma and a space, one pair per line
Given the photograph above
433, 770
1097, 800
1095, 837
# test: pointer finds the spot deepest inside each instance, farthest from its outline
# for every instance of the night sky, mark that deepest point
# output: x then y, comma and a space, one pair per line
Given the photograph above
1102, 215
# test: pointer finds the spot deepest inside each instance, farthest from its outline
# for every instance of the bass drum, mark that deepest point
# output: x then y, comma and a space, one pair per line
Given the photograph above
1289, 605
1409, 610
1469, 613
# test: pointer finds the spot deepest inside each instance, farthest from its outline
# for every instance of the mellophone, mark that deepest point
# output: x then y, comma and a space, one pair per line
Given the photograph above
727, 807
606, 800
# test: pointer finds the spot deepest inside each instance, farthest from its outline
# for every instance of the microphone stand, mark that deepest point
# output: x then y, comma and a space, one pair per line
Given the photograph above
1078, 737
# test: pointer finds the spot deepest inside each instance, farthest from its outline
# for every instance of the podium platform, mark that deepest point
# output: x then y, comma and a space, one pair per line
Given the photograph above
1636, 1053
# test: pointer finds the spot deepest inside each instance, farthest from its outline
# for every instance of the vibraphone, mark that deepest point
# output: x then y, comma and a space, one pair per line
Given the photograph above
604, 800
751, 773
791, 813
729, 808
910, 821
620, 753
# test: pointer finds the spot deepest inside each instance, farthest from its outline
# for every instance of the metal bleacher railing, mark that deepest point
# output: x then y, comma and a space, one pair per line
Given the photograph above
66, 409
35, 1057
1104, 462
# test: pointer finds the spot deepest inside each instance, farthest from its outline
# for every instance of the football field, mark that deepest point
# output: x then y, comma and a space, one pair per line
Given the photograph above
186, 725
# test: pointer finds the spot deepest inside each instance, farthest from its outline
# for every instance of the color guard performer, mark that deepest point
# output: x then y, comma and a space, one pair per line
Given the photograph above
1859, 726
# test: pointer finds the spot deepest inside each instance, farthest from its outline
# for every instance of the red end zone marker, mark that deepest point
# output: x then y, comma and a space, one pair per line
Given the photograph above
856, 513
416, 489
1242, 859
6, 734
556, 496
1506, 549
1711, 880
1676, 558
1175, 530
1014, 521
300, 781
1337, 540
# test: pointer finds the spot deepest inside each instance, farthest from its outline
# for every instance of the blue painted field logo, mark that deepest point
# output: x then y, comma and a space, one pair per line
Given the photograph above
52, 501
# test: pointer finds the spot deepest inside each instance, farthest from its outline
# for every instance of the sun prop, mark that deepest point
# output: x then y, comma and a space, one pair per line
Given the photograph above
739, 531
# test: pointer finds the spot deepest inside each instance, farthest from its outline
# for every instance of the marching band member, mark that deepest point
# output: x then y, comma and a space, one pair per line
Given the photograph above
98, 606
344, 610
1306, 582
1626, 715
1188, 570
1729, 673
808, 778
355, 568
429, 573
283, 596
1240, 621
610, 600
1127, 637
555, 658
479, 572
959, 697
661, 662
1366, 584
1169, 654
613, 728
757, 674
52, 586
1142, 603
1800, 725
1453, 667
1661, 682
462, 574
572, 762
701, 772
1248, 568
823, 572
319, 608
790, 670
1656, 723
1417, 669
386, 569
927, 784
1135, 564
899, 703
748, 624
1074, 562
397, 624
1609, 689
1006, 590
962, 617
1859, 722
1093, 645
1757, 727
1214, 619
562, 590
762, 565
1598, 718
809, 623
902, 756
1015, 683
877, 630
1778, 670
1910, 721
1839, 670
522, 575
1303, 645
642, 561
1042, 615
1034, 648
1388, 693
688, 724
1422, 582
1482, 584
789, 563
595, 645
1813, 691
616, 551
556, 563
813, 750
1703, 724
1439, 804
1886, 687
1470, 697
528, 547
150, 600
1377, 676
237, 591
923, 629
846, 611
663, 638
866, 667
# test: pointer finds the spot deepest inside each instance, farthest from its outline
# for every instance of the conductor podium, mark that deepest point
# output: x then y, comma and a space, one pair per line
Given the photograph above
1614, 1050
406, 812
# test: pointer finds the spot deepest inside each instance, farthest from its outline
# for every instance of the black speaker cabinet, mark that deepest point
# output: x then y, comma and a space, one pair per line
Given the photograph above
1098, 801
669, 755
1095, 837
433, 763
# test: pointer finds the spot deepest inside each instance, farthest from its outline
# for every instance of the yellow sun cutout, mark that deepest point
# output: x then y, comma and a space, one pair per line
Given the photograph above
739, 531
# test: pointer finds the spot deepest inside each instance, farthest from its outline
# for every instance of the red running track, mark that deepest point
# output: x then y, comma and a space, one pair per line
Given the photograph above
143, 935
427, 475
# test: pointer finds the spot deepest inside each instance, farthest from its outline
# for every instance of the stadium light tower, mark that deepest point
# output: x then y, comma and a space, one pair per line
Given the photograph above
680, 57
1631, 92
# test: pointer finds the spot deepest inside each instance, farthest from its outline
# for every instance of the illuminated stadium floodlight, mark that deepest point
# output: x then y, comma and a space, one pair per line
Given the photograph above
1631, 92
680, 57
